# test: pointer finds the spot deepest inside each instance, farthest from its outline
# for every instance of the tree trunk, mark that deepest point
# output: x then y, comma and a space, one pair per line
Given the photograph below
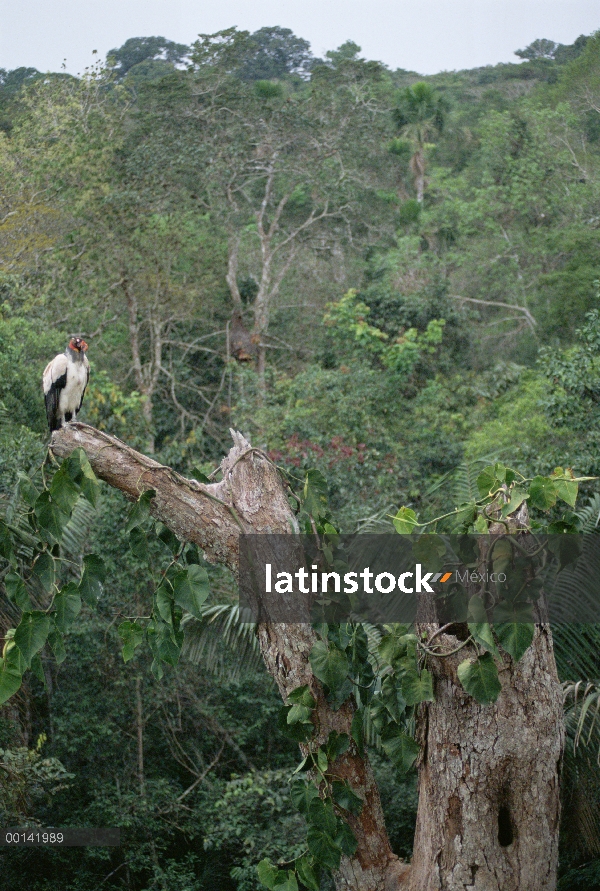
417, 166
250, 498
489, 779
488, 806
145, 387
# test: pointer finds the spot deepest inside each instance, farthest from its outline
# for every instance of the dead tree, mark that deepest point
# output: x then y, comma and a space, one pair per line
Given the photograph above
488, 778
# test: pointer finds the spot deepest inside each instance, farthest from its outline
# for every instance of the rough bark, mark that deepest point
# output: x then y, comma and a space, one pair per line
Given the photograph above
489, 802
249, 498
489, 779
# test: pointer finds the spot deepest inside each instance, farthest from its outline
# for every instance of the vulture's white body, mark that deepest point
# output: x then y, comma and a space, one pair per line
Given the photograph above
64, 383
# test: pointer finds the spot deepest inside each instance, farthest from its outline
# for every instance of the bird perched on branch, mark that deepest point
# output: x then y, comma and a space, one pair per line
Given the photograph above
64, 383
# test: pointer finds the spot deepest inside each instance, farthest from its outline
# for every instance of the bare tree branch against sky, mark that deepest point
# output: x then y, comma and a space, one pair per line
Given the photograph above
429, 36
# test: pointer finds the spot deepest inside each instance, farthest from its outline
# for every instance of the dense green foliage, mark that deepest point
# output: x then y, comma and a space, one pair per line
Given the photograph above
417, 261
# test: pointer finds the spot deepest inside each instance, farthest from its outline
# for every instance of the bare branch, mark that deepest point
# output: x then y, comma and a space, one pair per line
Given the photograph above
523, 309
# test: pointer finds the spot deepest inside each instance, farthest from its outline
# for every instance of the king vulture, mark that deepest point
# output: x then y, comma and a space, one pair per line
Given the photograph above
64, 383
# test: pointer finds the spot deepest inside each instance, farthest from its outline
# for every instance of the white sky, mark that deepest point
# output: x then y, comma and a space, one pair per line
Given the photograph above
422, 35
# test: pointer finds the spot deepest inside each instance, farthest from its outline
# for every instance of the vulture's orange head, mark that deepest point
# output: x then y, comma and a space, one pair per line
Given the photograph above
77, 343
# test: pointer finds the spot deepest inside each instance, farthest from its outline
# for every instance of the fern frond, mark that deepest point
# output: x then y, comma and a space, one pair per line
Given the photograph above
462, 480
589, 515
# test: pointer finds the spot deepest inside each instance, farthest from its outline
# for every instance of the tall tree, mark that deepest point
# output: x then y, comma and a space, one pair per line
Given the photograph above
420, 116
284, 171
489, 790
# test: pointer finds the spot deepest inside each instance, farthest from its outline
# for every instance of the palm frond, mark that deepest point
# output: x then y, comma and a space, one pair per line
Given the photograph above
581, 769
576, 650
377, 522
222, 642
78, 528
582, 704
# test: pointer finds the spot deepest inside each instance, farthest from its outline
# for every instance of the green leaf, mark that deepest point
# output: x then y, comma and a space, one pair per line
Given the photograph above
477, 611
315, 493
168, 643
302, 794
51, 519
305, 868
80, 471
329, 665
322, 760
321, 815
405, 521
567, 491
56, 641
482, 633
276, 879
191, 588
140, 511
63, 490
299, 714
31, 634
298, 732
165, 602
515, 637
346, 798
392, 696
466, 513
543, 493
430, 550
157, 669
13, 657
94, 572
323, 848
10, 681
480, 678
345, 839
132, 635
38, 670
517, 497
487, 481
6, 542
401, 749
201, 477
43, 570
17, 592
286, 881
417, 687
302, 696
138, 543
480, 525
27, 490
394, 644
267, 873
67, 604
336, 745
168, 538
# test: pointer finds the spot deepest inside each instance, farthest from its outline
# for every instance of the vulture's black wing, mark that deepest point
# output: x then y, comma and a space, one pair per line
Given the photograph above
54, 380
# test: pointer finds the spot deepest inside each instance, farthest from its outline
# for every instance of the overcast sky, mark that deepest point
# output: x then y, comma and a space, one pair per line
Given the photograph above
422, 35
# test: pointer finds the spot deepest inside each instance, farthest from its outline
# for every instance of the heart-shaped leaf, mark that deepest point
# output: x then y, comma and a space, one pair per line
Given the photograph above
480, 678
